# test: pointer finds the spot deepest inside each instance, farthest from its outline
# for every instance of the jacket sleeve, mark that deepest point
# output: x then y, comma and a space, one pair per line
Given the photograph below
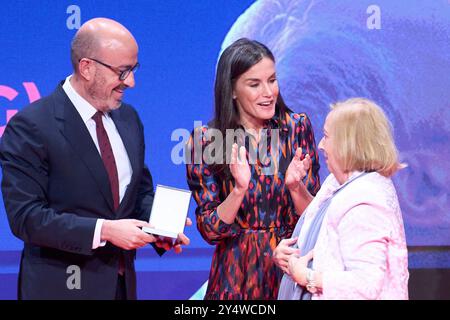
25, 165
145, 196
144, 207
364, 234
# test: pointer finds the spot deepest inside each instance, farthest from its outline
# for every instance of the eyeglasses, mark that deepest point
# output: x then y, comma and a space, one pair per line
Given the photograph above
123, 74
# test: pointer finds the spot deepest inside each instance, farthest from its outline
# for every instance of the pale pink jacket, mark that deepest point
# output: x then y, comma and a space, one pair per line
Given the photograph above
361, 248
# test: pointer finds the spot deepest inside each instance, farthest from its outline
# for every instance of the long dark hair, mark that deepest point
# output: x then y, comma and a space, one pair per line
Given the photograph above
235, 60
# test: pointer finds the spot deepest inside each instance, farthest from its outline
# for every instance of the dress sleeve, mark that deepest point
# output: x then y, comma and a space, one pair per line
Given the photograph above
205, 187
304, 138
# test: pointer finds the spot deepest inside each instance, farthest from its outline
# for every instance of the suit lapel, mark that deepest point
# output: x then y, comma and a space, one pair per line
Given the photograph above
123, 127
72, 127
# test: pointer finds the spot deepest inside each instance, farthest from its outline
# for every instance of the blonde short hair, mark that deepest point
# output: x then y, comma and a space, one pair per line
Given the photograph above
363, 137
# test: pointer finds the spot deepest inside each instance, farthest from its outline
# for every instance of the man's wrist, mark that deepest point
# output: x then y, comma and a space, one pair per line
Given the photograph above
104, 234
97, 240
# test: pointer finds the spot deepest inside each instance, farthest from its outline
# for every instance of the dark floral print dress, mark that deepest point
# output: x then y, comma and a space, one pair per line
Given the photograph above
242, 266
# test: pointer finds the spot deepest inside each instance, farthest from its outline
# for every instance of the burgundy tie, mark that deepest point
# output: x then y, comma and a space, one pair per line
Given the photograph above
107, 157
111, 168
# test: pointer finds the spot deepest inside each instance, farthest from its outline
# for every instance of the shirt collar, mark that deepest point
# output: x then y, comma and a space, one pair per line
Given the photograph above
84, 108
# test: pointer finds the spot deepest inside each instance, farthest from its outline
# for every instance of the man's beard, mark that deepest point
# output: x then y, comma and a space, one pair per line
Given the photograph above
115, 107
99, 97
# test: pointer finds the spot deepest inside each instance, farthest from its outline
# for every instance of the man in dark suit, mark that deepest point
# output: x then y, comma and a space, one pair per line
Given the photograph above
75, 186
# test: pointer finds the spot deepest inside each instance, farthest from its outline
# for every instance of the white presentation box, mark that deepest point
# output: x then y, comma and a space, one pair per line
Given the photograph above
169, 211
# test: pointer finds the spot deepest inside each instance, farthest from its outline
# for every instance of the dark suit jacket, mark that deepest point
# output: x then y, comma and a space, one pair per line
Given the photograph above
55, 187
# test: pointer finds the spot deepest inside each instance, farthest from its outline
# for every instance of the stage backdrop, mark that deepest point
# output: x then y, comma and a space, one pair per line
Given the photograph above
394, 52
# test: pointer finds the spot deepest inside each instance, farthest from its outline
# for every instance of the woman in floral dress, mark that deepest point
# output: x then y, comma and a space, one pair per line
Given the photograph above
240, 168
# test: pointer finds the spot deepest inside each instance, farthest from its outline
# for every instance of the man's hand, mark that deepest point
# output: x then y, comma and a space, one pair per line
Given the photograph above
126, 233
182, 239
167, 243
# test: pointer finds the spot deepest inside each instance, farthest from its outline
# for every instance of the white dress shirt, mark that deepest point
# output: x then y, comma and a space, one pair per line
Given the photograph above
124, 170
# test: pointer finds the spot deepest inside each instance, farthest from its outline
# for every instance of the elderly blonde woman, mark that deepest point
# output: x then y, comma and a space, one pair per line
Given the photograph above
350, 241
